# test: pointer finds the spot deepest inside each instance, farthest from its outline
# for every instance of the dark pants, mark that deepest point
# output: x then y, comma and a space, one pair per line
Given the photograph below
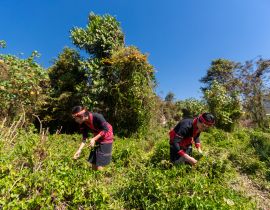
101, 155
177, 159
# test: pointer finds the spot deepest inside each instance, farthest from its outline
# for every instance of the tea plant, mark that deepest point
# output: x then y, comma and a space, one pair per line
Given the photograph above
40, 173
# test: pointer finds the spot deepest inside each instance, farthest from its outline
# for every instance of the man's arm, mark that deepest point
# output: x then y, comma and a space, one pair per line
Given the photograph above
190, 159
84, 130
101, 123
181, 152
93, 140
78, 152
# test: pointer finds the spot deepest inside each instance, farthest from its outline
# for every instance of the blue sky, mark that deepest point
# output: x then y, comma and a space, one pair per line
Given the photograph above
181, 37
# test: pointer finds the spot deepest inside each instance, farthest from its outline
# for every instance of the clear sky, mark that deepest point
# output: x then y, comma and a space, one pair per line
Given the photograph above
181, 37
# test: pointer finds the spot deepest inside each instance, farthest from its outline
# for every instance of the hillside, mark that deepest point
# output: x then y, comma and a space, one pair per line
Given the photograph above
39, 173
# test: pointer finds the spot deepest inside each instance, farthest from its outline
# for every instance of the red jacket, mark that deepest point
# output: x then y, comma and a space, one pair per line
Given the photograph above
97, 124
184, 134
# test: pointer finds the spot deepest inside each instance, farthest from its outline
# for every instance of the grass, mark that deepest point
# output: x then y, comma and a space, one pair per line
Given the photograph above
39, 174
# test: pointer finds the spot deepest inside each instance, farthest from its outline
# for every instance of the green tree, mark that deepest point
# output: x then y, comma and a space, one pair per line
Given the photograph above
3, 44
170, 111
191, 107
120, 80
66, 76
170, 97
254, 78
101, 36
23, 85
128, 95
222, 71
225, 107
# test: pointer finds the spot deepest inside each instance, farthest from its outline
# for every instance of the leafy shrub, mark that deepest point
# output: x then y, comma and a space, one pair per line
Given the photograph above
246, 163
23, 84
218, 138
225, 107
137, 178
66, 76
242, 134
261, 142
191, 107
130, 97
161, 153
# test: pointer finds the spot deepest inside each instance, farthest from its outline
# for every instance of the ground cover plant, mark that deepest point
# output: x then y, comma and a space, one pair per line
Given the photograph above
38, 172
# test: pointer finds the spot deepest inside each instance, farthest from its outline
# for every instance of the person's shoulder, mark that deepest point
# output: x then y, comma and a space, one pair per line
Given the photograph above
187, 121
97, 114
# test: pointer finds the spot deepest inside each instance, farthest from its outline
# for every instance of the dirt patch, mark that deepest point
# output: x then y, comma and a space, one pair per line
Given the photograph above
249, 188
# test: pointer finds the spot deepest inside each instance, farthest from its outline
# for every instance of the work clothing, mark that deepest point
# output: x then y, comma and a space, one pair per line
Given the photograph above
97, 125
182, 136
101, 154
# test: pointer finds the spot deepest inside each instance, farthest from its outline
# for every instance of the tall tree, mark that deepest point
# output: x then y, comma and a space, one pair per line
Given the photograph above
191, 107
223, 72
120, 80
254, 77
222, 92
66, 76
170, 97
3, 44
169, 109
225, 107
128, 94
100, 37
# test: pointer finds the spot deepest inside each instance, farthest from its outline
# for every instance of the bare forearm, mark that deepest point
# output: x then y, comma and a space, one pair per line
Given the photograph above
93, 140
81, 146
190, 159
96, 137
78, 153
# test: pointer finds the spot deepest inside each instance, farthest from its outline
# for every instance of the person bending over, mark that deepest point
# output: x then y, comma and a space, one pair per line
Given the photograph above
101, 154
186, 132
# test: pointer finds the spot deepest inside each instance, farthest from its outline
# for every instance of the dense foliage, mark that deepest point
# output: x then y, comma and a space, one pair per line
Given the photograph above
226, 108
223, 72
120, 81
191, 107
128, 94
38, 172
23, 85
176, 110
66, 76
101, 36
254, 86
246, 84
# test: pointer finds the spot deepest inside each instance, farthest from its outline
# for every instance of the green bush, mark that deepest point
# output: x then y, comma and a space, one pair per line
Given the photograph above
261, 142
41, 174
31, 82
161, 154
225, 106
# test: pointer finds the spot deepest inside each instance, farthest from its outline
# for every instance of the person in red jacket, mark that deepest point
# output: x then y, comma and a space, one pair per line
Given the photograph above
186, 132
102, 141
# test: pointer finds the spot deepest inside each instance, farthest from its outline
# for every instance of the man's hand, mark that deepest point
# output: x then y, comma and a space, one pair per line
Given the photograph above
77, 154
200, 151
190, 160
92, 143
